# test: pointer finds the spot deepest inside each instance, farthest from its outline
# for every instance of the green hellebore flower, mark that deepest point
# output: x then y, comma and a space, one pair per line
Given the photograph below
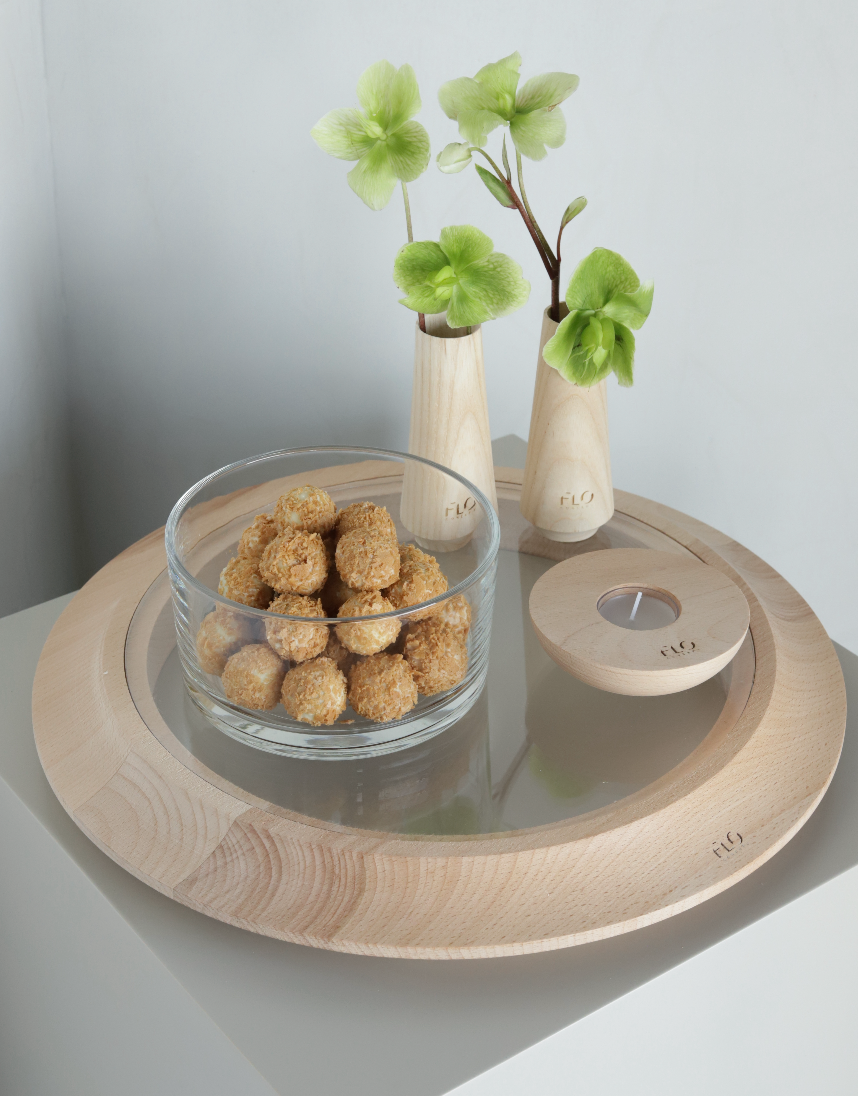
461, 275
605, 299
454, 157
387, 145
493, 98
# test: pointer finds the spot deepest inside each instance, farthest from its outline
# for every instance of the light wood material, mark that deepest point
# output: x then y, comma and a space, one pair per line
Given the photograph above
449, 425
711, 626
567, 491
193, 837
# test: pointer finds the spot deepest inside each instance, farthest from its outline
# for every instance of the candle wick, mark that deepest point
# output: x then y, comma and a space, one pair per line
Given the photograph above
637, 602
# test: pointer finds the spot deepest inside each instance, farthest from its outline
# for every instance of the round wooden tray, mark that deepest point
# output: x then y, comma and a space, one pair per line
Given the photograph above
708, 822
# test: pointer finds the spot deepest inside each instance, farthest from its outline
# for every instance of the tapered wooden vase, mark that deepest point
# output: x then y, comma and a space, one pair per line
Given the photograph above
567, 492
449, 425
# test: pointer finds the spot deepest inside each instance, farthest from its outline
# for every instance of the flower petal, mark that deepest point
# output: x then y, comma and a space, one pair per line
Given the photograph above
631, 309
404, 98
546, 91
502, 77
426, 299
496, 283
463, 245
416, 262
464, 310
341, 133
532, 132
558, 351
408, 151
372, 178
623, 357
373, 91
599, 277
454, 157
465, 94
476, 125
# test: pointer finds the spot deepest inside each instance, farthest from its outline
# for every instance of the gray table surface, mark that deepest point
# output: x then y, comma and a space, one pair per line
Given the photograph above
109, 987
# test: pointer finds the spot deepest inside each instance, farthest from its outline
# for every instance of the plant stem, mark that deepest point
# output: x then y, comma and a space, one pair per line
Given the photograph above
554, 312
407, 213
539, 231
421, 319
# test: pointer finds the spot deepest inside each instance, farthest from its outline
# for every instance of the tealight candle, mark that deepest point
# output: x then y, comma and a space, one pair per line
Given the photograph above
638, 609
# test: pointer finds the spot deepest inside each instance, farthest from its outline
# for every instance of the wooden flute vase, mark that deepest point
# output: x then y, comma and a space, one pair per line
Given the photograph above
567, 492
449, 425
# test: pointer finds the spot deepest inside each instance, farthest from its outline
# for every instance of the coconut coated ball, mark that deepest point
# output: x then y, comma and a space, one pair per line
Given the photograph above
367, 559
420, 578
295, 563
381, 688
221, 634
305, 509
253, 676
367, 639
334, 593
437, 654
315, 692
293, 641
456, 612
365, 515
336, 650
256, 537
241, 581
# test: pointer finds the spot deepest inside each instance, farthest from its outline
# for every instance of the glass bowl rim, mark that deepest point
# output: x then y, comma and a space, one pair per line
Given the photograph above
176, 565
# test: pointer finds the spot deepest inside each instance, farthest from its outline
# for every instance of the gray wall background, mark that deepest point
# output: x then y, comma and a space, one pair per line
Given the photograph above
210, 287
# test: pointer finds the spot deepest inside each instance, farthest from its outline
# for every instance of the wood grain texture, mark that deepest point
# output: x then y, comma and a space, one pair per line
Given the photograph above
449, 425
567, 491
711, 627
618, 868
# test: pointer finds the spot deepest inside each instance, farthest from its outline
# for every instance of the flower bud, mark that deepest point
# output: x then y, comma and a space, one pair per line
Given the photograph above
455, 157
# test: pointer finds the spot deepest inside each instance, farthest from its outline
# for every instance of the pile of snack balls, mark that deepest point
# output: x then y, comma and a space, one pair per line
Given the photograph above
309, 560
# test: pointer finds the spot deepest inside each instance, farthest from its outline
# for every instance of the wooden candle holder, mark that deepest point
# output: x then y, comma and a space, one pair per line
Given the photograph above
711, 622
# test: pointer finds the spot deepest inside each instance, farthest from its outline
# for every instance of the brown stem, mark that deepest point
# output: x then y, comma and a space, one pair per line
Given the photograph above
554, 313
421, 320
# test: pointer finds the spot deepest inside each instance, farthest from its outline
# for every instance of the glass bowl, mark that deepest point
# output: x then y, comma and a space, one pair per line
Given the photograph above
257, 649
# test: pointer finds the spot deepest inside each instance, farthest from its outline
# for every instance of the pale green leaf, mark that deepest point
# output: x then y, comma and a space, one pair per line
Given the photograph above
408, 151
415, 263
572, 210
476, 125
465, 94
497, 283
546, 91
599, 277
532, 132
502, 77
404, 98
496, 187
372, 178
373, 91
454, 157
463, 245
341, 133
623, 357
631, 309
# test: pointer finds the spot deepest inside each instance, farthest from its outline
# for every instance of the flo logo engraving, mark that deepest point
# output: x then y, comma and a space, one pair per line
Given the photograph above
461, 509
731, 842
584, 498
684, 647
